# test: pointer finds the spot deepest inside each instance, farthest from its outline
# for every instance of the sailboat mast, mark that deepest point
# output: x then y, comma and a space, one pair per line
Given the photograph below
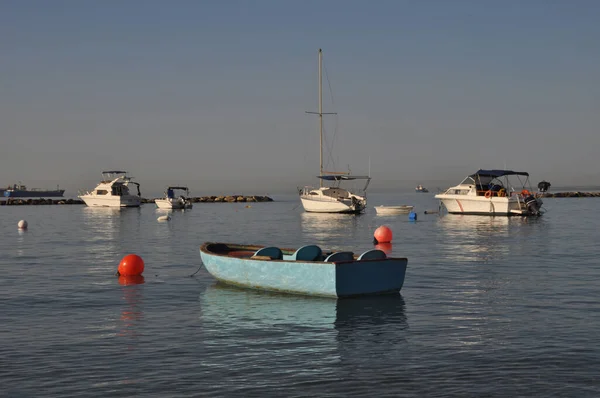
320, 117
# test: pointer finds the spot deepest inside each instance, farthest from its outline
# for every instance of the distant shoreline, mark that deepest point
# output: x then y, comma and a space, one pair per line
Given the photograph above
200, 199
573, 194
240, 199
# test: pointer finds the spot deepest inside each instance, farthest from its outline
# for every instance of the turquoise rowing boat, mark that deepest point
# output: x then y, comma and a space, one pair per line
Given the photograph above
308, 270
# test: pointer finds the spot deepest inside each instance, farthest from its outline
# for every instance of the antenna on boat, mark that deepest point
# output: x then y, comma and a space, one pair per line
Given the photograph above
369, 166
320, 113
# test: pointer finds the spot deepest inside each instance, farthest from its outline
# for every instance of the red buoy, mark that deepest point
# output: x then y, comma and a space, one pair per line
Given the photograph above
131, 264
383, 235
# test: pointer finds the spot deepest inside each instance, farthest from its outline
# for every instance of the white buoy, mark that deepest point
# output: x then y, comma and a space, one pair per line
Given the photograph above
163, 218
22, 224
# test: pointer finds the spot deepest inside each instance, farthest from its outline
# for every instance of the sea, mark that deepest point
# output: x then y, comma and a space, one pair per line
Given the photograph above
490, 307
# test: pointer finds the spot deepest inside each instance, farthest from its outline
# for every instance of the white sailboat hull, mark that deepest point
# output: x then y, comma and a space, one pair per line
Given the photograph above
331, 200
328, 206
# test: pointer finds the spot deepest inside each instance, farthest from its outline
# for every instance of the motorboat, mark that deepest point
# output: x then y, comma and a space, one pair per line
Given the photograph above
393, 210
494, 193
308, 270
333, 198
172, 202
421, 188
113, 191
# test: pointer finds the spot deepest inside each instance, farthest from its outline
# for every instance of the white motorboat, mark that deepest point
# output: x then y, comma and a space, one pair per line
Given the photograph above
491, 192
334, 198
421, 188
113, 191
393, 210
172, 202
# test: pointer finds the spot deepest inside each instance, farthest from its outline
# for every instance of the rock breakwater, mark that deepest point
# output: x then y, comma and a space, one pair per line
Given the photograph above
24, 202
575, 194
201, 199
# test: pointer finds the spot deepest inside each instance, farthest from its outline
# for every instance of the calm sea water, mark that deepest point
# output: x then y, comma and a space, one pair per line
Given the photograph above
491, 307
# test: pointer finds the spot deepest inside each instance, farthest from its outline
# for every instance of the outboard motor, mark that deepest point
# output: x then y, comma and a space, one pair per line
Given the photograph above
533, 205
543, 186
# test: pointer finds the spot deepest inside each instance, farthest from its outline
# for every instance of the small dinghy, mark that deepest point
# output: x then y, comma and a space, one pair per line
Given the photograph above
392, 210
307, 270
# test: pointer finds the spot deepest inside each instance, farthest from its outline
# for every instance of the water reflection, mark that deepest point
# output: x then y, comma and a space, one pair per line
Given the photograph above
332, 330
245, 308
323, 227
475, 238
126, 280
371, 329
385, 247
106, 228
131, 311
21, 242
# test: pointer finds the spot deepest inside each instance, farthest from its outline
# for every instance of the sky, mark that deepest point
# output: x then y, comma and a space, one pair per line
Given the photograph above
212, 94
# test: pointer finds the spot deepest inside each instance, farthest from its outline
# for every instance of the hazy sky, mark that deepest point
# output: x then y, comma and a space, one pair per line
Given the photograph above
212, 94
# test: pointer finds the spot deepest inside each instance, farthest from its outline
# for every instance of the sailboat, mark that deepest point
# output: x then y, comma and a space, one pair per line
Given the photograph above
332, 198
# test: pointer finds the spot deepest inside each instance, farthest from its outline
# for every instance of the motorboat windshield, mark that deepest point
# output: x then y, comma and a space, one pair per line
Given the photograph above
171, 191
110, 175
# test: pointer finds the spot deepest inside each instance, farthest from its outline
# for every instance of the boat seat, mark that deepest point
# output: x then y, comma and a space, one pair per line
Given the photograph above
373, 254
274, 252
340, 256
306, 253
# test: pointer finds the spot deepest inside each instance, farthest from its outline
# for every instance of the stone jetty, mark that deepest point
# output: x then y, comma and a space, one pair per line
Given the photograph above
201, 199
23, 202
576, 194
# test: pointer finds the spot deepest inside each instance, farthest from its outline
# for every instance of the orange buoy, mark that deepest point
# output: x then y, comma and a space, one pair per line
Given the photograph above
131, 264
382, 235
126, 280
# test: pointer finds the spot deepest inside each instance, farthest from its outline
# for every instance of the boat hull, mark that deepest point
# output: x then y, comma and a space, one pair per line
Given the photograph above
330, 206
495, 206
111, 201
393, 210
313, 278
172, 204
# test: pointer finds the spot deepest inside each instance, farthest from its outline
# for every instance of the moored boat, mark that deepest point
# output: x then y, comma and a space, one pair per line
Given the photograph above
392, 210
21, 191
492, 192
333, 198
307, 270
172, 202
113, 191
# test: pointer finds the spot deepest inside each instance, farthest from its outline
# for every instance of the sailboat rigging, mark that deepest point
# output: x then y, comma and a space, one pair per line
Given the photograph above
334, 198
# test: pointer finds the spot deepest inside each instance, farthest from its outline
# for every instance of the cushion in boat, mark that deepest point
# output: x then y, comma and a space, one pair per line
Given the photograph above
308, 253
373, 254
274, 252
340, 256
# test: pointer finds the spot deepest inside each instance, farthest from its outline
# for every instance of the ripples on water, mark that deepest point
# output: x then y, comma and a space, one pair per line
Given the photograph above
491, 306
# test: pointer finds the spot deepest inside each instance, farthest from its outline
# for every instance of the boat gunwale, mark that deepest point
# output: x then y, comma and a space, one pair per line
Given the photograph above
203, 249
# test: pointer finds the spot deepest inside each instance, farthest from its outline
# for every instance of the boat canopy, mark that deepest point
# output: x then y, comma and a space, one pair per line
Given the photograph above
499, 173
183, 188
342, 177
114, 172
